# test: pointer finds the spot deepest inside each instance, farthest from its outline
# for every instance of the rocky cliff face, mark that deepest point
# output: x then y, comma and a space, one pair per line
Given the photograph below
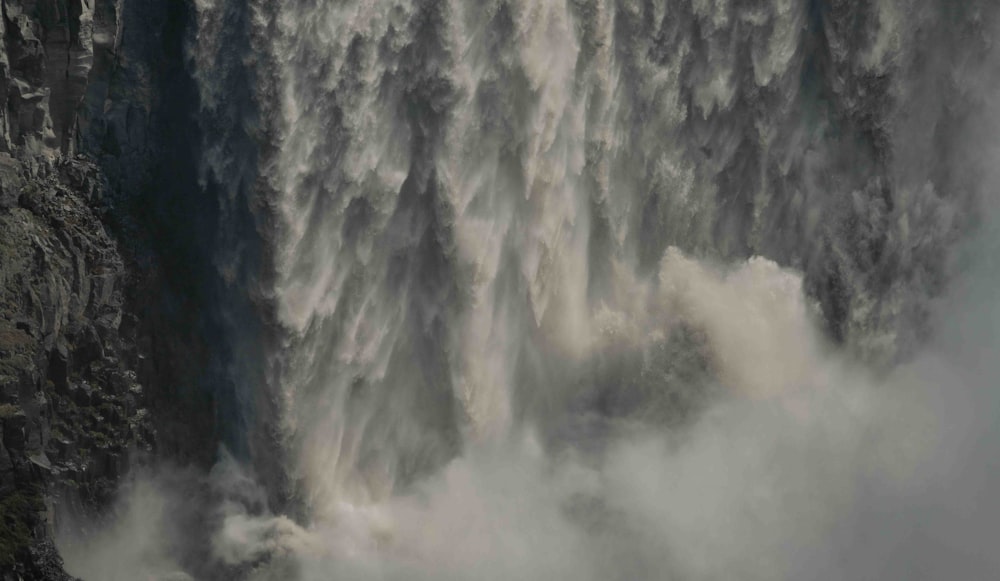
53, 50
70, 404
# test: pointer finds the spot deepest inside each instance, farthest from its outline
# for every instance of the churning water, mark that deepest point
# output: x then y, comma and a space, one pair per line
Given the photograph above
602, 289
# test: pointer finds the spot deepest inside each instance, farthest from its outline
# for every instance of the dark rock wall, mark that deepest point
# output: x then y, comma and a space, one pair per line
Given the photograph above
70, 405
139, 124
72, 414
52, 49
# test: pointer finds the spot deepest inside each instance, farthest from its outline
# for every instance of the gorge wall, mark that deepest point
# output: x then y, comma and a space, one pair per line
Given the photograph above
81, 161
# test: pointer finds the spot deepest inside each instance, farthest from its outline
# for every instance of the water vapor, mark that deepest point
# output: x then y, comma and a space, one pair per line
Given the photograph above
684, 290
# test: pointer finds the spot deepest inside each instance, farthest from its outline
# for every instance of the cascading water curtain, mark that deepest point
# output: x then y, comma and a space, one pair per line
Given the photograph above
595, 289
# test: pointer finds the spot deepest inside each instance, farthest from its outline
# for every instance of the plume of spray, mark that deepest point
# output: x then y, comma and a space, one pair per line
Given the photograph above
808, 467
757, 487
803, 463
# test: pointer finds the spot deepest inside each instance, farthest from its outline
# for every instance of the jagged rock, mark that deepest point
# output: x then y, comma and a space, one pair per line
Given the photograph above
59, 363
13, 432
39, 562
11, 182
66, 408
69, 407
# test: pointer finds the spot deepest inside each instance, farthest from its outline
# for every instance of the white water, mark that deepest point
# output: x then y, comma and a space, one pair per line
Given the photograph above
531, 320
436, 183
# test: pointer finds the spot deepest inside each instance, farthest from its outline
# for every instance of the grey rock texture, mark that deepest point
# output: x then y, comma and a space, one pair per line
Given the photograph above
140, 123
52, 50
71, 408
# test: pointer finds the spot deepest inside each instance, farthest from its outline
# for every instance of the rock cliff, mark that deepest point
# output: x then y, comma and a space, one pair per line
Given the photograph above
71, 408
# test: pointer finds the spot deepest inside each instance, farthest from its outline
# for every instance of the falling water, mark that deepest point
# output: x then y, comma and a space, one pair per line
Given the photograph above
586, 289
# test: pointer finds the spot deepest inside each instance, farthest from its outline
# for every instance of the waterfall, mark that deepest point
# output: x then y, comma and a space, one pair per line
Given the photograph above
587, 289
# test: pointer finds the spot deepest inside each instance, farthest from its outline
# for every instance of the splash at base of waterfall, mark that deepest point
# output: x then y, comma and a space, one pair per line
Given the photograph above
659, 289
768, 468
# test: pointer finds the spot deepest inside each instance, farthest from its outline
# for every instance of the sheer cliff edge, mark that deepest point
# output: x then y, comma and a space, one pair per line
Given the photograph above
74, 143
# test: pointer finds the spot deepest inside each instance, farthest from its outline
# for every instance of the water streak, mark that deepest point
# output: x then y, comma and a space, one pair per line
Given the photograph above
584, 289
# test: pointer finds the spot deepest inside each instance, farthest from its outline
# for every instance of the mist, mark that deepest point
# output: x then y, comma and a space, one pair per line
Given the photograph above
838, 474
492, 363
